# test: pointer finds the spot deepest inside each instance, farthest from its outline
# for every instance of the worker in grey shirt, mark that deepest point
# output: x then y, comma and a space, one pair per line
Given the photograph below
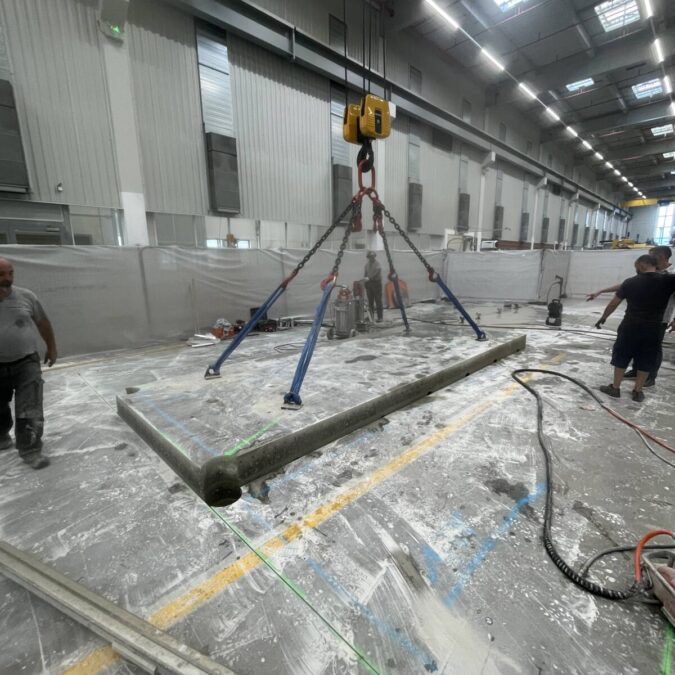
20, 376
373, 279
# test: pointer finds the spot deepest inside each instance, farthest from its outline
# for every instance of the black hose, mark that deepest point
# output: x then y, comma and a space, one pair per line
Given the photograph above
558, 560
586, 567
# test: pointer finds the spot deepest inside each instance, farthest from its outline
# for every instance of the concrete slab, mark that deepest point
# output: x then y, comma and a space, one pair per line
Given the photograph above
219, 435
413, 542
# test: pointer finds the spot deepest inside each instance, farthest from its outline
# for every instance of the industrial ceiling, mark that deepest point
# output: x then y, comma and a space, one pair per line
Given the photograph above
595, 75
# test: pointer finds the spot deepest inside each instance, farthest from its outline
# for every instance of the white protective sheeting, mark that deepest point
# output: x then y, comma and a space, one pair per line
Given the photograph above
101, 298
494, 275
554, 264
592, 270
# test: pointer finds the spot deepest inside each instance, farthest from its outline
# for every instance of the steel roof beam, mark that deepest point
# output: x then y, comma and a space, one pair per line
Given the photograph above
630, 152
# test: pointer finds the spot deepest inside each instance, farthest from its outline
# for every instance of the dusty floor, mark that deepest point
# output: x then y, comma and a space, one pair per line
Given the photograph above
411, 546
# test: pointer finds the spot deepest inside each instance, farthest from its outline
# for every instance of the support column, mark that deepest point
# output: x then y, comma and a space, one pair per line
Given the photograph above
541, 185
571, 216
128, 154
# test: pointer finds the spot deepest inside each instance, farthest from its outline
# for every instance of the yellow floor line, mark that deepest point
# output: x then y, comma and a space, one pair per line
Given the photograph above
167, 616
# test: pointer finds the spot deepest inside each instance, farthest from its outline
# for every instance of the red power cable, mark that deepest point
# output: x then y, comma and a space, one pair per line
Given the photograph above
638, 550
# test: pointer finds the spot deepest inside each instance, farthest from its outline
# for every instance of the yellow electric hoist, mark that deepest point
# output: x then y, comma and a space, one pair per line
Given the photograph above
369, 120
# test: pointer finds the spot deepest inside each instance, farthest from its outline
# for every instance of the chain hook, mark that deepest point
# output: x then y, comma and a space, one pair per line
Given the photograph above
361, 170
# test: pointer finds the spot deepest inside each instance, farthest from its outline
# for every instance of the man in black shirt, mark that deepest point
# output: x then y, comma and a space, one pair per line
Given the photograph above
639, 333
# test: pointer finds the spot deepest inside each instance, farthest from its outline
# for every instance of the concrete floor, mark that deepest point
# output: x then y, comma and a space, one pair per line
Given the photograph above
410, 546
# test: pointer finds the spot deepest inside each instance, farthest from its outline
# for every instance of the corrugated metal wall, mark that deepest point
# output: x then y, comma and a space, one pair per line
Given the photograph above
163, 55
439, 173
60, 86
282, 125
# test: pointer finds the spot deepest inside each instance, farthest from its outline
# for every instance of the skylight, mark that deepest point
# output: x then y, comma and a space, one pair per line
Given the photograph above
506, 5
580, 84
662, 130
615, 14
648, 88
669, 155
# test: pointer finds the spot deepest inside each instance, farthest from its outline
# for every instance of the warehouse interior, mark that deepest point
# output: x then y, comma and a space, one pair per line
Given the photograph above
319, 290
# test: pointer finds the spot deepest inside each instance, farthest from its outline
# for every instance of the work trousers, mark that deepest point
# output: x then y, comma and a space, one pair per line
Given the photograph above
374, 293
22, 380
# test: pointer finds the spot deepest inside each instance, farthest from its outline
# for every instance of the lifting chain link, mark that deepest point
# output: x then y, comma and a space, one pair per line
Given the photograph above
323, 238
378, 210
341, 252
423, 260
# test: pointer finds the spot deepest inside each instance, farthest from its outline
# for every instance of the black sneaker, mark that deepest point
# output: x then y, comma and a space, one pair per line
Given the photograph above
611, 390
630, 374
651, 381
638, 396
6, 442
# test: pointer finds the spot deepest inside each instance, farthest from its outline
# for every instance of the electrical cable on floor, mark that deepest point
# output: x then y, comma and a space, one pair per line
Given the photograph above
649, 447
586, 567
558, 560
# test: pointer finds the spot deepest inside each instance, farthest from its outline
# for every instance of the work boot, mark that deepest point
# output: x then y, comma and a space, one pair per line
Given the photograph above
651, 381
611, 390
638, 396
630, 374
36, 461
6, 442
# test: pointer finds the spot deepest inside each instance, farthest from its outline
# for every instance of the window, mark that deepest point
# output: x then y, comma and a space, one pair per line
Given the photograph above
615, 14
664, 224
525, 205
580, 84
662, 130
549, 160
214, 78
339, 147
499, 188
506, 5
415, 80
336, 33
463, 175
502, 131
466, 110
414, 152
648, 88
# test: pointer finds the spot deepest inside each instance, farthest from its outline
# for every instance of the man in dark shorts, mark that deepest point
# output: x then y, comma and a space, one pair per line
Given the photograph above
639, 334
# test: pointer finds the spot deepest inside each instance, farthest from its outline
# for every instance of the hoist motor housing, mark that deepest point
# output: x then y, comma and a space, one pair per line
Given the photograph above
350, 124
374, 118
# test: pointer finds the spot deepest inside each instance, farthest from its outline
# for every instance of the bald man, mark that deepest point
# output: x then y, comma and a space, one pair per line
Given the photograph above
21, 319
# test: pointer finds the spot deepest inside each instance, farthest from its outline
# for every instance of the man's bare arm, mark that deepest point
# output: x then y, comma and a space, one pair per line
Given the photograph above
611, 306
609, 289
47, 333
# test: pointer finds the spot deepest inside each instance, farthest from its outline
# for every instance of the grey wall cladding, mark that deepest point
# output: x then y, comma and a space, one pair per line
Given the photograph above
223, 173
342, 189
498, 222
13, 171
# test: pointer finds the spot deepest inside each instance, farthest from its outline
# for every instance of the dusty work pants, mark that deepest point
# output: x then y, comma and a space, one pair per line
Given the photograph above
374, 293
22, 380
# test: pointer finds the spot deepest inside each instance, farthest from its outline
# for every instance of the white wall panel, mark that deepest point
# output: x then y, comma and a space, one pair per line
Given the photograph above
282, 121
168, 111
60, 87
439, 170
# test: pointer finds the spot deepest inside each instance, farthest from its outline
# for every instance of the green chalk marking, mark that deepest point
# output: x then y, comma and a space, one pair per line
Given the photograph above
247, 441
667, 660
289, 583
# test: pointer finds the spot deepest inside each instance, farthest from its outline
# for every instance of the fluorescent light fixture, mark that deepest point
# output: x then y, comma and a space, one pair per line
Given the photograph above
443, 13
636, 190
615, 14
580, 84
506, 5
662, 130
572, 131
648, 9
599, 156
669, 155
617, 172
672, 173
630, 184
648, 88
527, 90
587, 145
553, 114
624, 179
608, 165
489, 56
658, 50
672, 107
667, 85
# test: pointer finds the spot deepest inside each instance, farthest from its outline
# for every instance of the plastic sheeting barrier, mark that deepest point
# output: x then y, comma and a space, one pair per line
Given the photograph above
592, 270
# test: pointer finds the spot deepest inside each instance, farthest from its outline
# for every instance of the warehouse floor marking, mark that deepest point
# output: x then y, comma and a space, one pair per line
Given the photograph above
171, 613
